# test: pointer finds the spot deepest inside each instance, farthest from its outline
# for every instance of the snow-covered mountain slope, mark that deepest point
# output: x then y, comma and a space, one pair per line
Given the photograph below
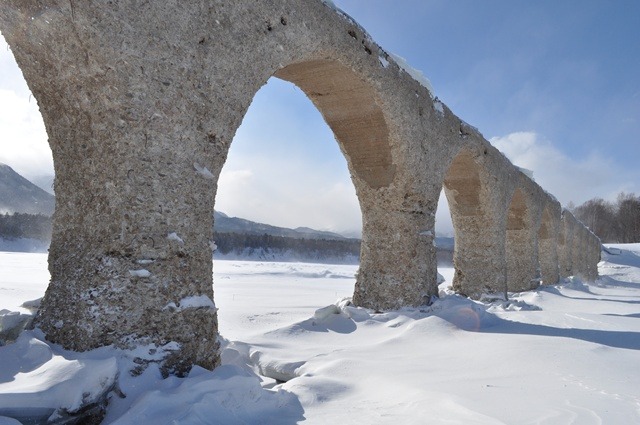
224, 223
18, 194
563, 354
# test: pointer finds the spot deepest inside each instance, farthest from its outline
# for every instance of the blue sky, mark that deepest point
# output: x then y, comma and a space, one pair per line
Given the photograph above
514, 65
553, 84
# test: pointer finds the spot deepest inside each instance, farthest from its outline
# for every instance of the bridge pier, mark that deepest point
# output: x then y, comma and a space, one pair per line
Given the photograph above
523, 269
397, 261
548, 235
595, 252
478, 217
130, 258
588, 247
580, 252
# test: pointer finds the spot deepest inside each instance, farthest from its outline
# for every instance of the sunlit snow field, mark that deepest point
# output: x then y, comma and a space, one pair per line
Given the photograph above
296, 351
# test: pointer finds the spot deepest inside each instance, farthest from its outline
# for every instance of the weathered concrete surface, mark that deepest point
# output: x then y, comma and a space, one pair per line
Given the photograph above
595, 253
580, 250
523, 221
565, 243
585, 251
549, 233
476, 186
141, 101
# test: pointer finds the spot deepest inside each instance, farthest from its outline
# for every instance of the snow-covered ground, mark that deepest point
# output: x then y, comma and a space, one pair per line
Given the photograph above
565, 354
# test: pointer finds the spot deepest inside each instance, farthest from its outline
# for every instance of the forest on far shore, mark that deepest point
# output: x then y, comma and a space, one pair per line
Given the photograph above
302, 248
18, 225
612, 222
28, 226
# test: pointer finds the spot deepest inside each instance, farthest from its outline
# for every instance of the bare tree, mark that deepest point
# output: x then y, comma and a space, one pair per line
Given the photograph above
612, 222
628, 217
599, 216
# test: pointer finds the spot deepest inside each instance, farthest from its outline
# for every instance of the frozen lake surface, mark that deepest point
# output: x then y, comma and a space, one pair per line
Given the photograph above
295, 350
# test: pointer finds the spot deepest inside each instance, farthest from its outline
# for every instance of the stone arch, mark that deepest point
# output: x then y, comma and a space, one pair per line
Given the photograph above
353, 109
583, 249
140, 116
478, 241
140, 127
548, 244
523, 272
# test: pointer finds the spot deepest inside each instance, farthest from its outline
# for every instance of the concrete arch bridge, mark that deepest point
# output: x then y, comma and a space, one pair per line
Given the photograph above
141, 101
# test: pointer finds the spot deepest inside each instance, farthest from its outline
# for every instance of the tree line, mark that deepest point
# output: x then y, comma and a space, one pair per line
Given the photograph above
31, 226
18, 225
612, 222
247, 243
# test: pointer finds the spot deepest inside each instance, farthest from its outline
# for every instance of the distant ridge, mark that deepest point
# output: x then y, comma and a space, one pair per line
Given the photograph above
238, 238
225, 224
19, 195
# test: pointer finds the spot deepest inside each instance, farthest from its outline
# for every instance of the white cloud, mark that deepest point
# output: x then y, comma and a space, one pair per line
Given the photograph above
23, 139
287, 192
231, 181
567, 178
294, 194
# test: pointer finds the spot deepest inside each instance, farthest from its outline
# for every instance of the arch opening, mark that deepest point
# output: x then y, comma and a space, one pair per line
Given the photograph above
444, 235
24, 153
284, 169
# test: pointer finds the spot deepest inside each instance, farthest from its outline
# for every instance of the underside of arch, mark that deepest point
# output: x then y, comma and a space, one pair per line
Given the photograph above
462, 186
545, 225
517, 216
349, 106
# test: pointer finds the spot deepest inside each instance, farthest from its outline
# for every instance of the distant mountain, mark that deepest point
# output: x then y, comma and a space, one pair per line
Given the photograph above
225, 224
44, 182
18, 194
237, 238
